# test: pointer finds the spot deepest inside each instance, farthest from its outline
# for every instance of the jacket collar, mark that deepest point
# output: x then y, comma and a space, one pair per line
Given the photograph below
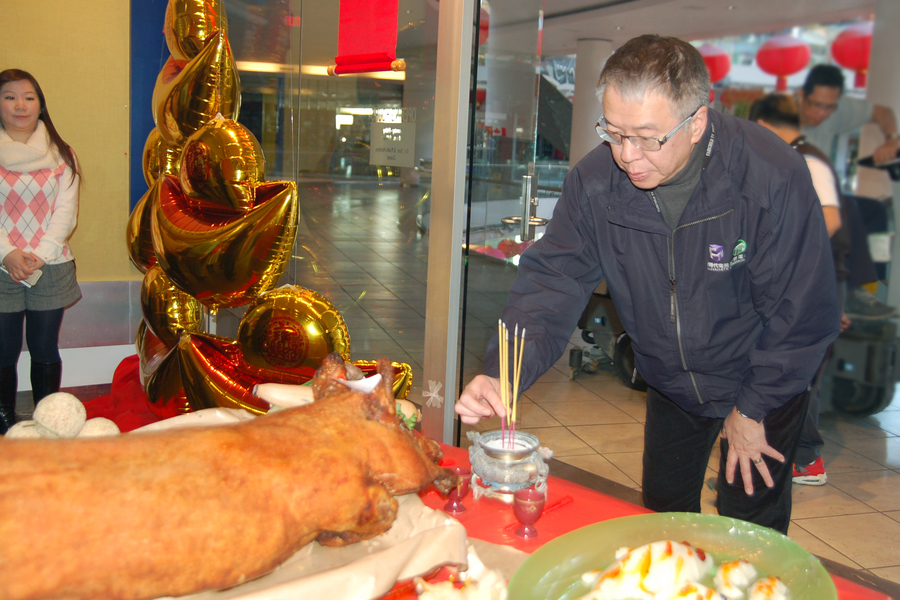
714, 195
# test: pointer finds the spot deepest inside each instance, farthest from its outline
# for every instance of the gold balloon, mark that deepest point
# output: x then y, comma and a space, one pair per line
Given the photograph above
167, 310
215, 375
222, 162
138, 235
403, 376
222, 257
165, 390
184, 101
160, 157
151, 350
292, 329
190, 23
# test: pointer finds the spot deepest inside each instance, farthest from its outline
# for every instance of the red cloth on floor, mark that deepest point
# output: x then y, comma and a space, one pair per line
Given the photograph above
126, 405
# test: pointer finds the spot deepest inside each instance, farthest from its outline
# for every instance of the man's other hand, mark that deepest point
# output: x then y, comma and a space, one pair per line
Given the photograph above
746, 446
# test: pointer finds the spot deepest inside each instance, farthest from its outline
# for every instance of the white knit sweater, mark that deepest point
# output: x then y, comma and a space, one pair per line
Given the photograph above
38, 198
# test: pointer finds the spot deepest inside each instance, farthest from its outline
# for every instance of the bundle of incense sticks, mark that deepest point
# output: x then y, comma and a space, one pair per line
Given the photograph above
510, 404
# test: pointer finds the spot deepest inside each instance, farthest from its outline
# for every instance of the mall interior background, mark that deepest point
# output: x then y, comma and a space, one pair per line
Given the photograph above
317, 129
363, 236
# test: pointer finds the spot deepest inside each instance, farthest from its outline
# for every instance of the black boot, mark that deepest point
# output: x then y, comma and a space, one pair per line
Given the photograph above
9, 384
45, 379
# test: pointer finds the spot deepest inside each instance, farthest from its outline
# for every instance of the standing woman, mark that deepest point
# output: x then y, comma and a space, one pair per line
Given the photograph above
39, 185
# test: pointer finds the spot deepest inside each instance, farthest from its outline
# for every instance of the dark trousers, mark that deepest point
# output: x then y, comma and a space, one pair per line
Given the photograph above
677, 446
809, 449
809, 446
41, 329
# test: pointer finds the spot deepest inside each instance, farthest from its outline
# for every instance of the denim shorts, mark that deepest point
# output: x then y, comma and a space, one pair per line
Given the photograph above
57, 288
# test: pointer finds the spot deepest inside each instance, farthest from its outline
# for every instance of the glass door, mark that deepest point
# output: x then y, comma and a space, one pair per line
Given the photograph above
505, 207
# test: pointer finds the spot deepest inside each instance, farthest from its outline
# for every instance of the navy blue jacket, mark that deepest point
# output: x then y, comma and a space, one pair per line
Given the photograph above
735, 306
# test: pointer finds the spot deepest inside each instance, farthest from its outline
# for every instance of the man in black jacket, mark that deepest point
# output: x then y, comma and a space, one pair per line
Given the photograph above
713, 245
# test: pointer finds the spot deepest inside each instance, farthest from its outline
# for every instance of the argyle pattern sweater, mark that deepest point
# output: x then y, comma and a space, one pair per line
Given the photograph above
38, 198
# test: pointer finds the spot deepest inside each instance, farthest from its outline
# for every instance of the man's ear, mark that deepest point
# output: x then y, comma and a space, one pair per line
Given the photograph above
698, 124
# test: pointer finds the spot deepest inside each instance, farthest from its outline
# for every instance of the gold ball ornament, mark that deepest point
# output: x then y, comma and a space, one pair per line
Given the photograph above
168, 310
222, 162
159, 158
292, 329
190, 23
222, 257
185, 100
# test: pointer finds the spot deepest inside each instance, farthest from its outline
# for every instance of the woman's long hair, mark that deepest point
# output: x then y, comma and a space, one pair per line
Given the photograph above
65, 151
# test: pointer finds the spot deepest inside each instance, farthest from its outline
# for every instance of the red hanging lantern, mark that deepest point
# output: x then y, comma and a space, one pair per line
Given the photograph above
781, 56
851, 49
718, 63
484, 26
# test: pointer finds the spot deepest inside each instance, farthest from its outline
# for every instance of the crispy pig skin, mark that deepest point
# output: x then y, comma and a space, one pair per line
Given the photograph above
170, 513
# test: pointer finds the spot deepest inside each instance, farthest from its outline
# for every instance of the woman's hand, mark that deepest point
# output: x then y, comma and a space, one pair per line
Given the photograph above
480, 400
38, 261
21, 265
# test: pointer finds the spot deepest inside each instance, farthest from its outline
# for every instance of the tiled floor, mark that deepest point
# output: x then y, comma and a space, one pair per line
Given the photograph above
362, 250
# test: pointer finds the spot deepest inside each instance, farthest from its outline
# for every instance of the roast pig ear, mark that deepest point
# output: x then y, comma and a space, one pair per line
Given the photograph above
323, 382
380, 404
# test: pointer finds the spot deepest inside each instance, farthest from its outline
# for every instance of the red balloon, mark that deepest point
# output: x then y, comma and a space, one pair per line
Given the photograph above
781, 56
851, 49
717, 62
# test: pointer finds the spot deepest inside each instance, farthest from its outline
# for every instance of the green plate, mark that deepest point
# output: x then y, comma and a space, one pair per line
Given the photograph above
554, 571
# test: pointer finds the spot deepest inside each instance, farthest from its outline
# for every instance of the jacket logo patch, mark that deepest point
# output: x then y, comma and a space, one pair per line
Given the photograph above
739, 254
717, 256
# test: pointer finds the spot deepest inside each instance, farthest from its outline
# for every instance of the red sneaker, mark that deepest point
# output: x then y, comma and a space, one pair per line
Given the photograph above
812, 474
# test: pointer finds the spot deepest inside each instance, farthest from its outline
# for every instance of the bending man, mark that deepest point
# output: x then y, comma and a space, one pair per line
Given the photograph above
711, 239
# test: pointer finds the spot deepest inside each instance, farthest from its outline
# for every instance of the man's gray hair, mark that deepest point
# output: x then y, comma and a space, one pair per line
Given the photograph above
653, 63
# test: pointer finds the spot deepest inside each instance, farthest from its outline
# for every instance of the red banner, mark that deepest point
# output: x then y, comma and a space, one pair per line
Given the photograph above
367, 38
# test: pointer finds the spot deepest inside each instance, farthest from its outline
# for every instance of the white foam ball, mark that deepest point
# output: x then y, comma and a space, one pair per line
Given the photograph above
59, 415
98, 427
23, 430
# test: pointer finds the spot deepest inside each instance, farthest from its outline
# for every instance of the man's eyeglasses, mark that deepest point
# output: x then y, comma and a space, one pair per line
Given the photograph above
646, 144
821, 105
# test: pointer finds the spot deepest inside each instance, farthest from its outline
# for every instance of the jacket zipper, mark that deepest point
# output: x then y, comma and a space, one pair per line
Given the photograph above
674, 316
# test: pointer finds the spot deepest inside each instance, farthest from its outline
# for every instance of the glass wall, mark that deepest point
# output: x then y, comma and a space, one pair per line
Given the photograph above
363, 233
358, 242
508, 180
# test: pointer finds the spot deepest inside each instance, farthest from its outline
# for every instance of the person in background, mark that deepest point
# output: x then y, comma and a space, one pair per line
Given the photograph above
778, 113
711, 238
39, 185
826, 113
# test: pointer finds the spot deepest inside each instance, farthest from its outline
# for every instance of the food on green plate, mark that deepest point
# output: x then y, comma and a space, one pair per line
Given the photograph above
734, 577
768, 588
669, 570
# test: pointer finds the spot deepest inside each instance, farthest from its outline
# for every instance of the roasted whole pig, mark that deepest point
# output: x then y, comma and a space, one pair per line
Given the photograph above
165, 514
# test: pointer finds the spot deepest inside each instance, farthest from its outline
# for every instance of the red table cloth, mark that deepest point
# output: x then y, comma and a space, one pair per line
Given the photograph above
568, 506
